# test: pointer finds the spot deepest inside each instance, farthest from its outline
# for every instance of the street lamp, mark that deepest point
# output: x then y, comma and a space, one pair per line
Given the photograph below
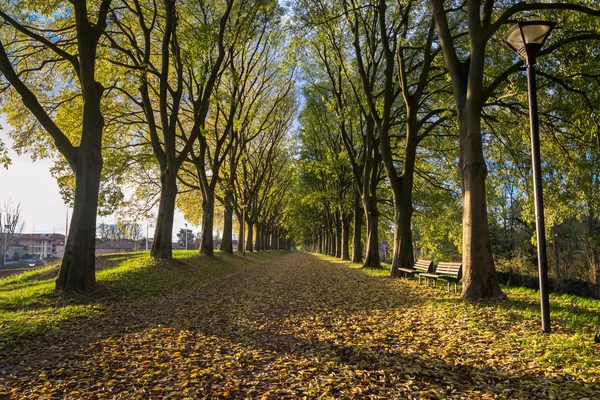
243, 229
526, 39
186, 235
6, 228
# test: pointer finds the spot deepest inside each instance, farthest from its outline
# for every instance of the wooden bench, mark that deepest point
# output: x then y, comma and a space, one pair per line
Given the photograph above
448, 271
420, 266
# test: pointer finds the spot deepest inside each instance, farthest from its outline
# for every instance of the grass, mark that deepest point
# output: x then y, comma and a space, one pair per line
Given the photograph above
30, 306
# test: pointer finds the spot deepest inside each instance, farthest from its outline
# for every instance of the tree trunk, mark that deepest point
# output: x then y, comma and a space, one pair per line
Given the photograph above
267, 238
402, 188
163, 234
227, 240
480, 279
259, 238
372, 259
78, 270
346, 237
403, 251
320, 244
338, 238
275, 239
357, 232
208, 217
241, 229
249, 244
333, 242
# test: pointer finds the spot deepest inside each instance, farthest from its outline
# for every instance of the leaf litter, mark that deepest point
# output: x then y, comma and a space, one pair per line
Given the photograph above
303, 326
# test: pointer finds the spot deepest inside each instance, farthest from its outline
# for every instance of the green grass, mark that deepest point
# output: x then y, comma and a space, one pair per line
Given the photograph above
29, 305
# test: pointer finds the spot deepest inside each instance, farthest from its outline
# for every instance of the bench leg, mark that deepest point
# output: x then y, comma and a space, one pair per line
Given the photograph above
419, 279
448, 287
455, 284
435, 283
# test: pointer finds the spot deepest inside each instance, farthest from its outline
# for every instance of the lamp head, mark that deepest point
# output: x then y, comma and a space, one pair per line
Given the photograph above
244, 205
527, 38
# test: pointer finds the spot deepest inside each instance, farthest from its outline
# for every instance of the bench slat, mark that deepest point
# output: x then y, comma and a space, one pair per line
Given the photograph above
447, 268
423, 265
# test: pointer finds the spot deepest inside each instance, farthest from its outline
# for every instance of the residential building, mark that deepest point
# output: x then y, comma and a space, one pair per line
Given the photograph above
38, 245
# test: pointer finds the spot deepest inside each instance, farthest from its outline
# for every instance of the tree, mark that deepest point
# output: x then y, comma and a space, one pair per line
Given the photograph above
181, 80
63, 46
11, 222
190, 238
470, 95
332, 54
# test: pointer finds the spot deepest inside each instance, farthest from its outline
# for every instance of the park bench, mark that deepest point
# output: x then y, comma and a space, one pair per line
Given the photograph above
420, 266
448, 271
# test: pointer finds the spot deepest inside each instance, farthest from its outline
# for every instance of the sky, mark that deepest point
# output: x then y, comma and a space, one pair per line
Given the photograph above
43, 209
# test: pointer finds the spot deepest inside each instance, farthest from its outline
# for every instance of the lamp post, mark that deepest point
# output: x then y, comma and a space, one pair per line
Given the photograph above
186, 235
6, 228
243, 229
526, 39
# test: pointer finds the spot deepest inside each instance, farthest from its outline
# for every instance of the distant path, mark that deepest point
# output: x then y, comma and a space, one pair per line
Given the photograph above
291, 326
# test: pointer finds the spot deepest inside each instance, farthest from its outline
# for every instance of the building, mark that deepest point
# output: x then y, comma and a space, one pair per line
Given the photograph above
37, 245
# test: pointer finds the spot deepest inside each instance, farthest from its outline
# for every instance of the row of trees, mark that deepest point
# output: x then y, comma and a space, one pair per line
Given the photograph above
162, 98
188, 104
413, 90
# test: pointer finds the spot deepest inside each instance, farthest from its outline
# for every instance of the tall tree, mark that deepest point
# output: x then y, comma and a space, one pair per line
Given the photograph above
61, 43
466, 61
175, 84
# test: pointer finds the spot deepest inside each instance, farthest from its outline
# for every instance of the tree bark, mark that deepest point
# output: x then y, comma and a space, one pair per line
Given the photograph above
357, 229
208, 218
320, 244
480, 279
227, 240
372, 258
346, 237
338, 238
403, 256
259, 238
333, 242
77, 272
163, 234
241, 233
249, 244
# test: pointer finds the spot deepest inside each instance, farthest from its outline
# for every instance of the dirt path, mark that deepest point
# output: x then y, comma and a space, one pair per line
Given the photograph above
290, 327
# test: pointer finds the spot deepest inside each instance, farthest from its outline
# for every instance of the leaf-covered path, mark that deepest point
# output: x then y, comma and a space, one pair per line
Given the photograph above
299, 326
